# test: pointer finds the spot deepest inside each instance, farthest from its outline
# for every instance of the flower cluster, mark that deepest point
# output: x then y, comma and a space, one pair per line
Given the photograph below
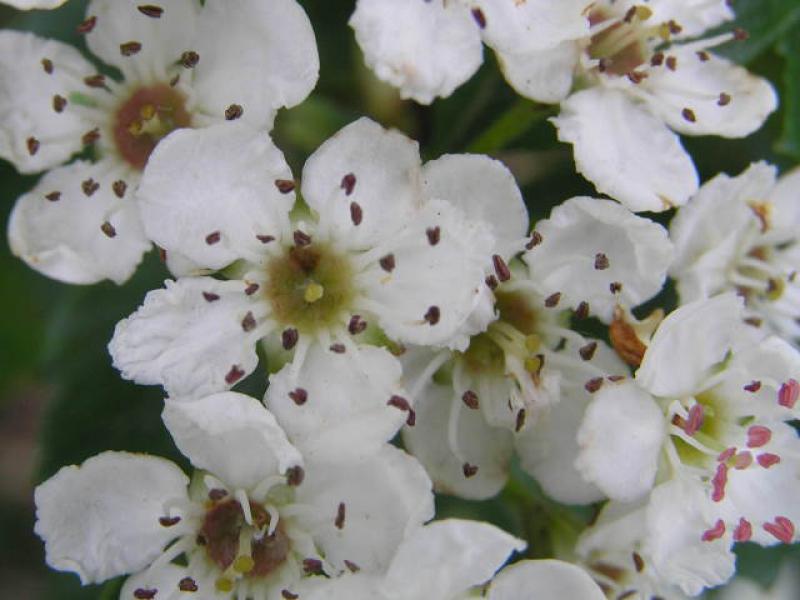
384, 298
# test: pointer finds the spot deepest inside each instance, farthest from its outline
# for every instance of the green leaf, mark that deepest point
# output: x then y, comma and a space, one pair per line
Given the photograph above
512, 124
789, 47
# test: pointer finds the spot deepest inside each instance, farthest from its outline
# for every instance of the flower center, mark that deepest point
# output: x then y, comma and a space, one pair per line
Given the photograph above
705, 423
148, 115
310, 287
240, 548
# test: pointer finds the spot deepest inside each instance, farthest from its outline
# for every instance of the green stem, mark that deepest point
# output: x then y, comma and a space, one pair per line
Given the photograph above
513, 124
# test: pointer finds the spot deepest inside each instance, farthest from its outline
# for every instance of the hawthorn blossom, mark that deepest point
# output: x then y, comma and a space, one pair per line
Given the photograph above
254, 522
183, 64
701, 435
526, 379
740, 234
372, 249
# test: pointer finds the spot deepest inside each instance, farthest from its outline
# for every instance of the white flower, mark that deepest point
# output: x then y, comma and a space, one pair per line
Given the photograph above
254, 522
741, 234
183, 65
524, 383
704, 422
31, 4
375, 249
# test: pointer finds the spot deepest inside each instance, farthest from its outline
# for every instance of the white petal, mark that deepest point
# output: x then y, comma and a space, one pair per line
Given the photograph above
786, 208
694, 16
588, 244
552, 580
533, 24
164, 38
231, 436
379, 168
377, 517
620, 440
541, 75
445, 558
346, 412
358, 586
194, 321
479, 444
688, 344
259, 55
217, 180
485, 190
427, 49
101, 519
78, 238
626, 151
696, 84
29, 4
27, 90
445, 278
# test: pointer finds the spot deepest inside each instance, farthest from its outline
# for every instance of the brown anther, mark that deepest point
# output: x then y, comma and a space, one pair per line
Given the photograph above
356, 214
251, 289
90, 137
338, 348
552, 300
234, 375
47, 65
348, 183
151, 10
108, 229
399, 403
33, 145
119, 187
289, 338
593, 384
53, 196
144, 594
754, 321
289, 595
638, 562
674, 28
312, 566
630, 14
520, 422
174, 81
356, 325
265, 239
295, 476
703, 56
470, 398
162, 254
187, 584
602, 65
479, 17
615, 287
469, 470
387, 263
672, 63
130, 48
299, 396
217, 494
338, 522
213, 238
724, 99
285, 185
411, 419
210, 296
636, 76
301, 238
753, 386
587, 351
432, 315
582, 312
189, 59
169, 521
87, 25
491, 282
740, 34
501, 268
434, 235
95, 81
536, 239
600, 261
89, 186
657, 59
59, 103
249, 322
351, 566
688, 115
233, 112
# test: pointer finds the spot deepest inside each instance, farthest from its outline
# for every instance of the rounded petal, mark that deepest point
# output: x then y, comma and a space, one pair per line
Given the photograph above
723, 98
485, 190
691, 341
346, 411
786, 208
376, 168
231, 436
33, 71
218, 181
192, 322
259, 55
551, 580
446, 558
620, 440
588, 245
626, 151
101, 519
164, 36
541, 75
426, 49
694, 16
478, 444
74, 228
358, 586
377, 517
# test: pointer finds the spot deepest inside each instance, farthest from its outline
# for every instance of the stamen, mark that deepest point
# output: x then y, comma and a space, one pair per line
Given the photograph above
470, 398
130, 48
788, 393
767, 459
234, 375
299, 396
715, 532
718, 482
348, 183
233, 112
434, 235
285, 185
743, 531
187, 584
87, 25
312, 566
600, 261
782, 529
340, 516
758, 436
119, 187
501, 268
151, 10
189, 59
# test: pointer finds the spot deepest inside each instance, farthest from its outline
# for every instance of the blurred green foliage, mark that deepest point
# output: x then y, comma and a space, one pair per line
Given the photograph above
57, 334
